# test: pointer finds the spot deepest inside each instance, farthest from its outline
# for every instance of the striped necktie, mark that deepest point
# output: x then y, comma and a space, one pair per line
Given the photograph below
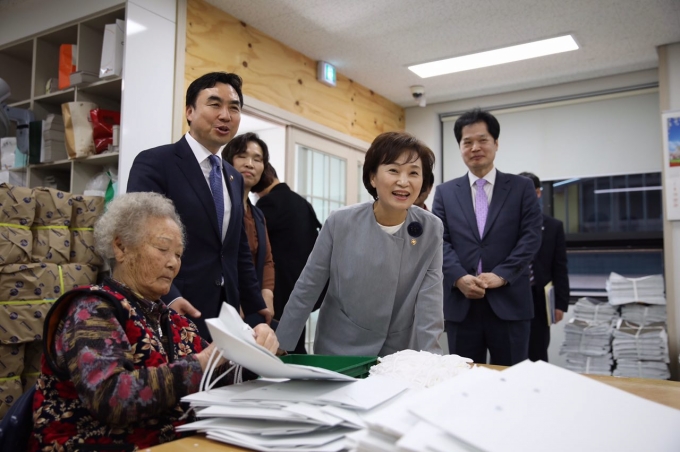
216, 188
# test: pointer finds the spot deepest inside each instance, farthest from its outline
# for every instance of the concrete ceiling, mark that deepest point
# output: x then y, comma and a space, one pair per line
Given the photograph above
373, 41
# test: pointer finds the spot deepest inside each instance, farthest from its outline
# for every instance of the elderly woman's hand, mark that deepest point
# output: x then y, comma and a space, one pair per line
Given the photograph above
266, 337
204, 356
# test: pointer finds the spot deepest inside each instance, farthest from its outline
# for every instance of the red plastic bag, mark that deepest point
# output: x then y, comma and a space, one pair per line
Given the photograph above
102, 127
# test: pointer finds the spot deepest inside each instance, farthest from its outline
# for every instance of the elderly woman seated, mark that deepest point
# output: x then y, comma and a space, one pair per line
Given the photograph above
117, 360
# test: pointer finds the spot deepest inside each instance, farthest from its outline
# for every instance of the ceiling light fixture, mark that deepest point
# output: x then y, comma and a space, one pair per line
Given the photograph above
494, 57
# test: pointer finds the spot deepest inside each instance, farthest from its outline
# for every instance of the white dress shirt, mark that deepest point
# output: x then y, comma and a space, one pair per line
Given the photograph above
490, 179
202, 156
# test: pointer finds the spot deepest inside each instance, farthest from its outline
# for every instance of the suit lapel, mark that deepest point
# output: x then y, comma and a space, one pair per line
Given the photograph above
500, 194
464, 195
188, 165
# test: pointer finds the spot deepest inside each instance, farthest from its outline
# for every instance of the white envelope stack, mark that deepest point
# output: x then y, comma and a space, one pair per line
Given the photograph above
588, 336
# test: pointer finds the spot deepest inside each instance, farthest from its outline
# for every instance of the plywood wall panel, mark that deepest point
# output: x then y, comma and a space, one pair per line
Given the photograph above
281, 76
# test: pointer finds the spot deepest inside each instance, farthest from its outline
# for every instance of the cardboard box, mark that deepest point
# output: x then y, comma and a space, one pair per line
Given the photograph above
23, 322
52, 207
10, 391
17, 178
11, 360
16, 245
26, 282
86, 210
17, 205
82, 248
51, 246
76, 275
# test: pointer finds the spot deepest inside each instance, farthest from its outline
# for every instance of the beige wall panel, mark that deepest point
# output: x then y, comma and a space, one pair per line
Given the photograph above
281, 76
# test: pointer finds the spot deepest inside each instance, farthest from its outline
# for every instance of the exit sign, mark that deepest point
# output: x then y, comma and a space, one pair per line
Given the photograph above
325, 73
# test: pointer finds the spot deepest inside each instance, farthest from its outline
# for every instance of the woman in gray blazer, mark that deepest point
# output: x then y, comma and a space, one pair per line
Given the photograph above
383, 262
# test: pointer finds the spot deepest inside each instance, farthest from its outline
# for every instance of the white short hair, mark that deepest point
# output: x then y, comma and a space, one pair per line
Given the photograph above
125, 217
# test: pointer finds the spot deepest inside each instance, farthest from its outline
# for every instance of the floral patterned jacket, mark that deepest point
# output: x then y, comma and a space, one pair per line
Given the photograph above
118, 385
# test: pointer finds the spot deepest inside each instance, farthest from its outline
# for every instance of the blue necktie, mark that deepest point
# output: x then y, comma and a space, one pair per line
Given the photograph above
216, 188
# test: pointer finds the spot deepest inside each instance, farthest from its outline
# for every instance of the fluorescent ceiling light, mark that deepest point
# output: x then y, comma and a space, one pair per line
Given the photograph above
494, 57
627, 190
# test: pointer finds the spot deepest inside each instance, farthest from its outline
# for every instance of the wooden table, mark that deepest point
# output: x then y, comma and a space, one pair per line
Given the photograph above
661, 391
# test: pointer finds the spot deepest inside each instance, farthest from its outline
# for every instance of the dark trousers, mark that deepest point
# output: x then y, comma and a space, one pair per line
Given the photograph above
539, 339
506, 340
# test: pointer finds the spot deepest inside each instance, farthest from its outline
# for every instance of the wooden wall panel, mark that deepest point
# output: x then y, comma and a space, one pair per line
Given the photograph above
281, 76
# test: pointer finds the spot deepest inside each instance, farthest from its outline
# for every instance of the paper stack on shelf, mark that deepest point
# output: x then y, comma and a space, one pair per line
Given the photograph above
588, 335
516, 410
642, 314
648, 289
641, 350
53, 147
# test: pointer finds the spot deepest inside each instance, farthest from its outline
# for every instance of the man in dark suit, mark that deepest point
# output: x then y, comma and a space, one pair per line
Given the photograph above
293, 228
208, 194
549, 265
492, 230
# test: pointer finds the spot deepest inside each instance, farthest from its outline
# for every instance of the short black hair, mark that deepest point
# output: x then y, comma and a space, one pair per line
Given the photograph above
269, 175
534, 178
387, 148
473, 117
239, 145
209, 80
429, 183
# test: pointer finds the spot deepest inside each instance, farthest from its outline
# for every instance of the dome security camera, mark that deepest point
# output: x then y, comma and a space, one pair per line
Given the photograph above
417, 91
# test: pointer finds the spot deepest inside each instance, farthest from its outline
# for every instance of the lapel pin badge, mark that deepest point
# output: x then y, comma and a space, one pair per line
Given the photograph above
415, 230
231, 178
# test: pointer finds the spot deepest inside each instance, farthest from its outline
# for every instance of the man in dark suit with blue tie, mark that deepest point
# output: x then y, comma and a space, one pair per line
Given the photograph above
208, 194
549, 265
492, 230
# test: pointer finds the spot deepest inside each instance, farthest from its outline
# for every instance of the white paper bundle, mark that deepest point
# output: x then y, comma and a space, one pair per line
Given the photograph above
648, 289
594, 365
644, 342
642, 369
594, 311
643, 314
586, 338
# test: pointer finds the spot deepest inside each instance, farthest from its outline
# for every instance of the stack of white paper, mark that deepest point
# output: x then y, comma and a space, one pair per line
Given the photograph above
594, 311
648, 289
583, 340
643, 314
641, 350
516, 410
315, 410
53, 147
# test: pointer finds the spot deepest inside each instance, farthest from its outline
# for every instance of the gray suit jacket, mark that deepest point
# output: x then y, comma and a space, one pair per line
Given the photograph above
385, 293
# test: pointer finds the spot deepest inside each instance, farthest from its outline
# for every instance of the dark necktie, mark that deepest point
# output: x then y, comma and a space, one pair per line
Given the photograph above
481, 212
216, 188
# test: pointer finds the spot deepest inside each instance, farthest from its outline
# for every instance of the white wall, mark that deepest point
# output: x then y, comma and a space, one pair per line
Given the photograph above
33, 17
601, 136
425, 124
276, 143
149, 75
669, 67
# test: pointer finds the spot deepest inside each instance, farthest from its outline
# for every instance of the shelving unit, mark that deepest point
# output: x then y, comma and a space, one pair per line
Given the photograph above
27, 66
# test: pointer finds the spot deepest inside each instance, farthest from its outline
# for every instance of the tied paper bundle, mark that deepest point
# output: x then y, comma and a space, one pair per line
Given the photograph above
51, 237
641, 350
86, 210
648, 289
17, 213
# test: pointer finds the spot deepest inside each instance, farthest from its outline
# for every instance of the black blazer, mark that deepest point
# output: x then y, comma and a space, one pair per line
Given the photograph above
173, 171
293, 228
550, 264
512, 236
